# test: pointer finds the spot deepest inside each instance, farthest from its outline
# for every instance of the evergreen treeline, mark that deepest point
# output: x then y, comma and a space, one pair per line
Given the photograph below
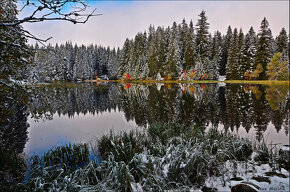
68, 62
183, 50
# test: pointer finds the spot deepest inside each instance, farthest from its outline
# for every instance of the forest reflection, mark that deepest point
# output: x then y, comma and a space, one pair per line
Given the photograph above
234, 106
230, 106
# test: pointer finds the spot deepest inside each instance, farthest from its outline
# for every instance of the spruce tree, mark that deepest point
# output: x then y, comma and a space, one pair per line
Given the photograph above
70, 60
183, 28
264, 47
240, 48
161, 49
125, 57
233, 58
189, 56
138, 56
248, 52
153, 53
173, 64
225, 51
144, 68
202, 37
282, 43
213, 72
216, 46
135, 56
199, 68
112, 64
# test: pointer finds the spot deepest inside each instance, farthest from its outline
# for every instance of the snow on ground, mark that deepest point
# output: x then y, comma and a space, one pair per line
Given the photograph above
286, 148
259, 177
222, 78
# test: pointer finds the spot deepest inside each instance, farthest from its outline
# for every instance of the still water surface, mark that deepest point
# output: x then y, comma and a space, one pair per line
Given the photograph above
85, 112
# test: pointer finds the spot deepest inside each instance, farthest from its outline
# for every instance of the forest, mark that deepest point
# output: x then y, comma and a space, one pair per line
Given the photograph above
182, 51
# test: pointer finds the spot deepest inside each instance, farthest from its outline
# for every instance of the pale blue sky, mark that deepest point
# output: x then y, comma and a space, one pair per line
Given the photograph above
123, 19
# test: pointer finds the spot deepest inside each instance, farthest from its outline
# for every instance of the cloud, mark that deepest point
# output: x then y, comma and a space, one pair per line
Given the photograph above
125, 19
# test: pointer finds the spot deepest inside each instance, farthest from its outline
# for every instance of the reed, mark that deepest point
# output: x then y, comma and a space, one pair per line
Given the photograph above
164, 157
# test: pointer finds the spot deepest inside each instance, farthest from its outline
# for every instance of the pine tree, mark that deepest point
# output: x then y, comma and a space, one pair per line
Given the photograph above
173, 64
161, 49
62, 62
202, 37
212, 72
215, 56
225, 51
167, 35
216, 46
134, 57
183, 29
264, 47
153, 52
282, 43
233, 59
248, 52
142, 61
189, 56
199, 68
138, 56
125, 57
240, 72
70, 59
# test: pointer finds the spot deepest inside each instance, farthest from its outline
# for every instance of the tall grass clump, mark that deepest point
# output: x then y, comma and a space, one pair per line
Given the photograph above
44, 170
163, 157
73, 156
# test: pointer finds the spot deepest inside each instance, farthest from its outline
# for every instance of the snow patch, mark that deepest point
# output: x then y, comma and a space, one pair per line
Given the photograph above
222, 78
166, 169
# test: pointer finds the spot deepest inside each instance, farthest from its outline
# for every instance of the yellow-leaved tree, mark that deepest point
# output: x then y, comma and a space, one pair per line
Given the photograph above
277, 69
257, 72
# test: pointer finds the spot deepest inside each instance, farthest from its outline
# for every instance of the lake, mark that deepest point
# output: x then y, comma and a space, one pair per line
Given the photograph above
84, 112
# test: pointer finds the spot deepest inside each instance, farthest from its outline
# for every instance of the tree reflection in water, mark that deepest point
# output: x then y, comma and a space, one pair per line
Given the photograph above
233, 106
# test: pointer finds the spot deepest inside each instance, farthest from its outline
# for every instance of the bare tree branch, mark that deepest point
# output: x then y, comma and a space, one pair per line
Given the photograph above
53, 11
48, 10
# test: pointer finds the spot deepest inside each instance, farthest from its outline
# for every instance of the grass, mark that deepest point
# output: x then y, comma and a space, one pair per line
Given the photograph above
163, 157
60, 84
73, 156
264, 82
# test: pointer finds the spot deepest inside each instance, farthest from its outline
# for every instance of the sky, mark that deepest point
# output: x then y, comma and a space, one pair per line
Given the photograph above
124, 19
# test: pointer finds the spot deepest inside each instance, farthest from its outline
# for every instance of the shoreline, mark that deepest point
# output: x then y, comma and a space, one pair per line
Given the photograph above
265, 82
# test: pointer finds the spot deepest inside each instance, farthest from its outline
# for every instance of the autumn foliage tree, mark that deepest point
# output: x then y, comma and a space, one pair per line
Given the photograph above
277, 69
